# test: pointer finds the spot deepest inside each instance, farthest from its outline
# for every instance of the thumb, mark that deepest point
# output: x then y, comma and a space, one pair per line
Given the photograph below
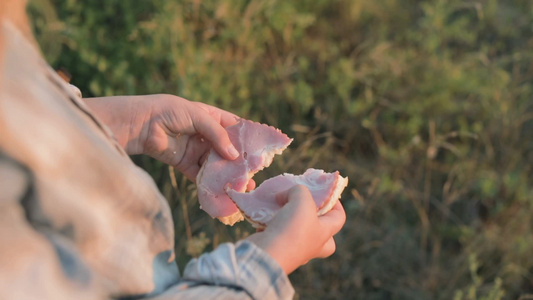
296, 198
216, 134
282, 197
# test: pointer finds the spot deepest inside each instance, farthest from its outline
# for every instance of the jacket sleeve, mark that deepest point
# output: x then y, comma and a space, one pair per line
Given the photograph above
232, 271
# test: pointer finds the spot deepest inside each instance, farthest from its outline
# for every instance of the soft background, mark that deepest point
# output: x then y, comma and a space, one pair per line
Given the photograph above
425, 105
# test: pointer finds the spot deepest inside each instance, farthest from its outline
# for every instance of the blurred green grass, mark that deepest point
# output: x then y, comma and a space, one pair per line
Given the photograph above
425, 105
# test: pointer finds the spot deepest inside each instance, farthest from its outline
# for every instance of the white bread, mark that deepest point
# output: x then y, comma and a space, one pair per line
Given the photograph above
260, 206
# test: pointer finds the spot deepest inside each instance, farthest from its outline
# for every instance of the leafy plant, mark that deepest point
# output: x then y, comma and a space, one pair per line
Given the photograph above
425, 105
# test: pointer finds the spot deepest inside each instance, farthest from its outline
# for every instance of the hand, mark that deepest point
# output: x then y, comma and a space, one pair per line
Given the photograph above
169, 128
181, 133
296, 234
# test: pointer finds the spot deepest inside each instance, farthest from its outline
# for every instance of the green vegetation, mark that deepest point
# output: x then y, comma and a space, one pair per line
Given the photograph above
427, 106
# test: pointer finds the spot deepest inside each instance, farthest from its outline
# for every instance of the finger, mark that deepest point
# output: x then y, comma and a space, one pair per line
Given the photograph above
328, 249
203, 158
299, 202
334, 219
282, 197
296, 193
193, 153
251, 185
298, 208
223, 117
216, 134
227, 118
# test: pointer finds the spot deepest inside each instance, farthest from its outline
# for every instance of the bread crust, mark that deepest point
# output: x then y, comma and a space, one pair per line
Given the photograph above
340, 185
232, 219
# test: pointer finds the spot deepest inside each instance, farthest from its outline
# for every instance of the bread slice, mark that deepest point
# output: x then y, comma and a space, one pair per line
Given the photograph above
260, 205
257, 145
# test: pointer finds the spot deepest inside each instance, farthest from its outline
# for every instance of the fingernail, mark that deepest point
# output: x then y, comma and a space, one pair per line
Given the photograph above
233, 152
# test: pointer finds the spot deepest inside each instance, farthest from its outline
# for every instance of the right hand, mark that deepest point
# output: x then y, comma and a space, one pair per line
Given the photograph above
296, 234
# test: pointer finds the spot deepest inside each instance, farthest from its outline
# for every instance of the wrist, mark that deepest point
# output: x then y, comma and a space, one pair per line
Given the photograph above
149, 124
278, 250
125, 116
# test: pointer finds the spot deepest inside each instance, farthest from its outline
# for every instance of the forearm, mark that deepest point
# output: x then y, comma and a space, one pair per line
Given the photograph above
125, 116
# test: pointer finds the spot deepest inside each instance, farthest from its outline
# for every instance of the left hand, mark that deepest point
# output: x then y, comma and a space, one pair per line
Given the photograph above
171, 129
296, 234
